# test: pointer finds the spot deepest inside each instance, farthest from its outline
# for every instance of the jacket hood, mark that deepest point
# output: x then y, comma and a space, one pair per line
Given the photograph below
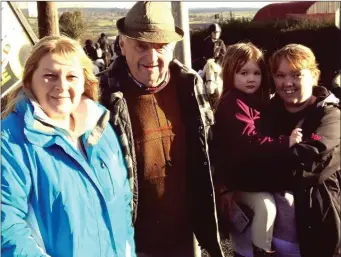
324, 96
90, 118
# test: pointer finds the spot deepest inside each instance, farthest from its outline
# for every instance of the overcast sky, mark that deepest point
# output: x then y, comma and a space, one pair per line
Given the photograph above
205, 4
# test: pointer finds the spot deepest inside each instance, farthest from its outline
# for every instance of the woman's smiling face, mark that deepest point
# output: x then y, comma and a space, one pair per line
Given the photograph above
293, 86
58, 84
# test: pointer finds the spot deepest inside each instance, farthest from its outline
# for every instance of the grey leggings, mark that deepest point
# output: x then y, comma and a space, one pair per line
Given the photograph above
264, 207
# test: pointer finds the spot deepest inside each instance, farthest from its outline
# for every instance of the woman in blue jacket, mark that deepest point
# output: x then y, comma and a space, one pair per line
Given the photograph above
64, 184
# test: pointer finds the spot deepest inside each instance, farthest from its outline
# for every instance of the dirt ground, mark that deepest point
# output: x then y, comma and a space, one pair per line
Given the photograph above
226, 248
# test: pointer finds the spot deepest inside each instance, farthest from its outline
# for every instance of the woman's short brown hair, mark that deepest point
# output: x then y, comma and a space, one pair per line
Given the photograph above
298, 56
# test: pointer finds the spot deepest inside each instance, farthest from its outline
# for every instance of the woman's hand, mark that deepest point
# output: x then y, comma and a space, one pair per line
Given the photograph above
295, 137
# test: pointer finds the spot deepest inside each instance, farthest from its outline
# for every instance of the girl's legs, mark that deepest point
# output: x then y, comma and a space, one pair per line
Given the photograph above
264, 208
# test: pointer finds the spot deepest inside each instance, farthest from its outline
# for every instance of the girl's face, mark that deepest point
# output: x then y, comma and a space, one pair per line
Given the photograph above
248, 78
293, 86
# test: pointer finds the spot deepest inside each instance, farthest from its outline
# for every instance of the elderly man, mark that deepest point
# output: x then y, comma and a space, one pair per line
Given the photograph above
162, 114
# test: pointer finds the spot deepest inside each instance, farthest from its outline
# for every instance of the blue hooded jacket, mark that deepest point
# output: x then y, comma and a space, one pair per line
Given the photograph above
58, 200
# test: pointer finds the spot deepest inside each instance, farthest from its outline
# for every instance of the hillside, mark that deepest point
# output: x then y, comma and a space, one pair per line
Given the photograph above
100, 20
123, 11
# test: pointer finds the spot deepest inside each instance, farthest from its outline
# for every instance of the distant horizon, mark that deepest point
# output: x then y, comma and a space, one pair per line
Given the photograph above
127, 5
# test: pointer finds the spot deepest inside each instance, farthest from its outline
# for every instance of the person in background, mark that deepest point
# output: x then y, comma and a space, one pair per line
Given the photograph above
90, 50
103, 42
100, 63
116, 49
161, 113
64, 183
104, 45
99, 51
214, 47
237, 138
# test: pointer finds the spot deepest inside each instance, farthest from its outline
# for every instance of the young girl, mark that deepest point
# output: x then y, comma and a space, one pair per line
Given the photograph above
238, 147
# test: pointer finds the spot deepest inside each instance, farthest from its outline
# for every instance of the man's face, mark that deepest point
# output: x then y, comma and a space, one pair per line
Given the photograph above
148, 62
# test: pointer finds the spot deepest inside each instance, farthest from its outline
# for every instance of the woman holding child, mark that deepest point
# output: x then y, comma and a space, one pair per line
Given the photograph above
299, 165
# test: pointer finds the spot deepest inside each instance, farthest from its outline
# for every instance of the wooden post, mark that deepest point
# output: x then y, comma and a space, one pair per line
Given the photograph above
337, 18
47, 19
183, 48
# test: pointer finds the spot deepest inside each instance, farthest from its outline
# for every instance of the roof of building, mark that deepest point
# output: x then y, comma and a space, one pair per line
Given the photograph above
278, 11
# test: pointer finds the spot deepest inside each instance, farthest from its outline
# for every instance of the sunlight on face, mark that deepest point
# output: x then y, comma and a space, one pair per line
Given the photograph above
58, 84
249, 78
293, 86
148, 62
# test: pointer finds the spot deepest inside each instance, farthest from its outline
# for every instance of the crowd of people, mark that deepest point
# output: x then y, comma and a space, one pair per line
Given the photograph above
136, 162
102, 53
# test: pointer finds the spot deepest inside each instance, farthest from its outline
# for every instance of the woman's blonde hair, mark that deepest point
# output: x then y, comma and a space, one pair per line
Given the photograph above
236, 57
59, 45
298, 56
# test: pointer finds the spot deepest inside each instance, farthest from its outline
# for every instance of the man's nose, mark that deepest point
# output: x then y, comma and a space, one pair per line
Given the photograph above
153, 54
